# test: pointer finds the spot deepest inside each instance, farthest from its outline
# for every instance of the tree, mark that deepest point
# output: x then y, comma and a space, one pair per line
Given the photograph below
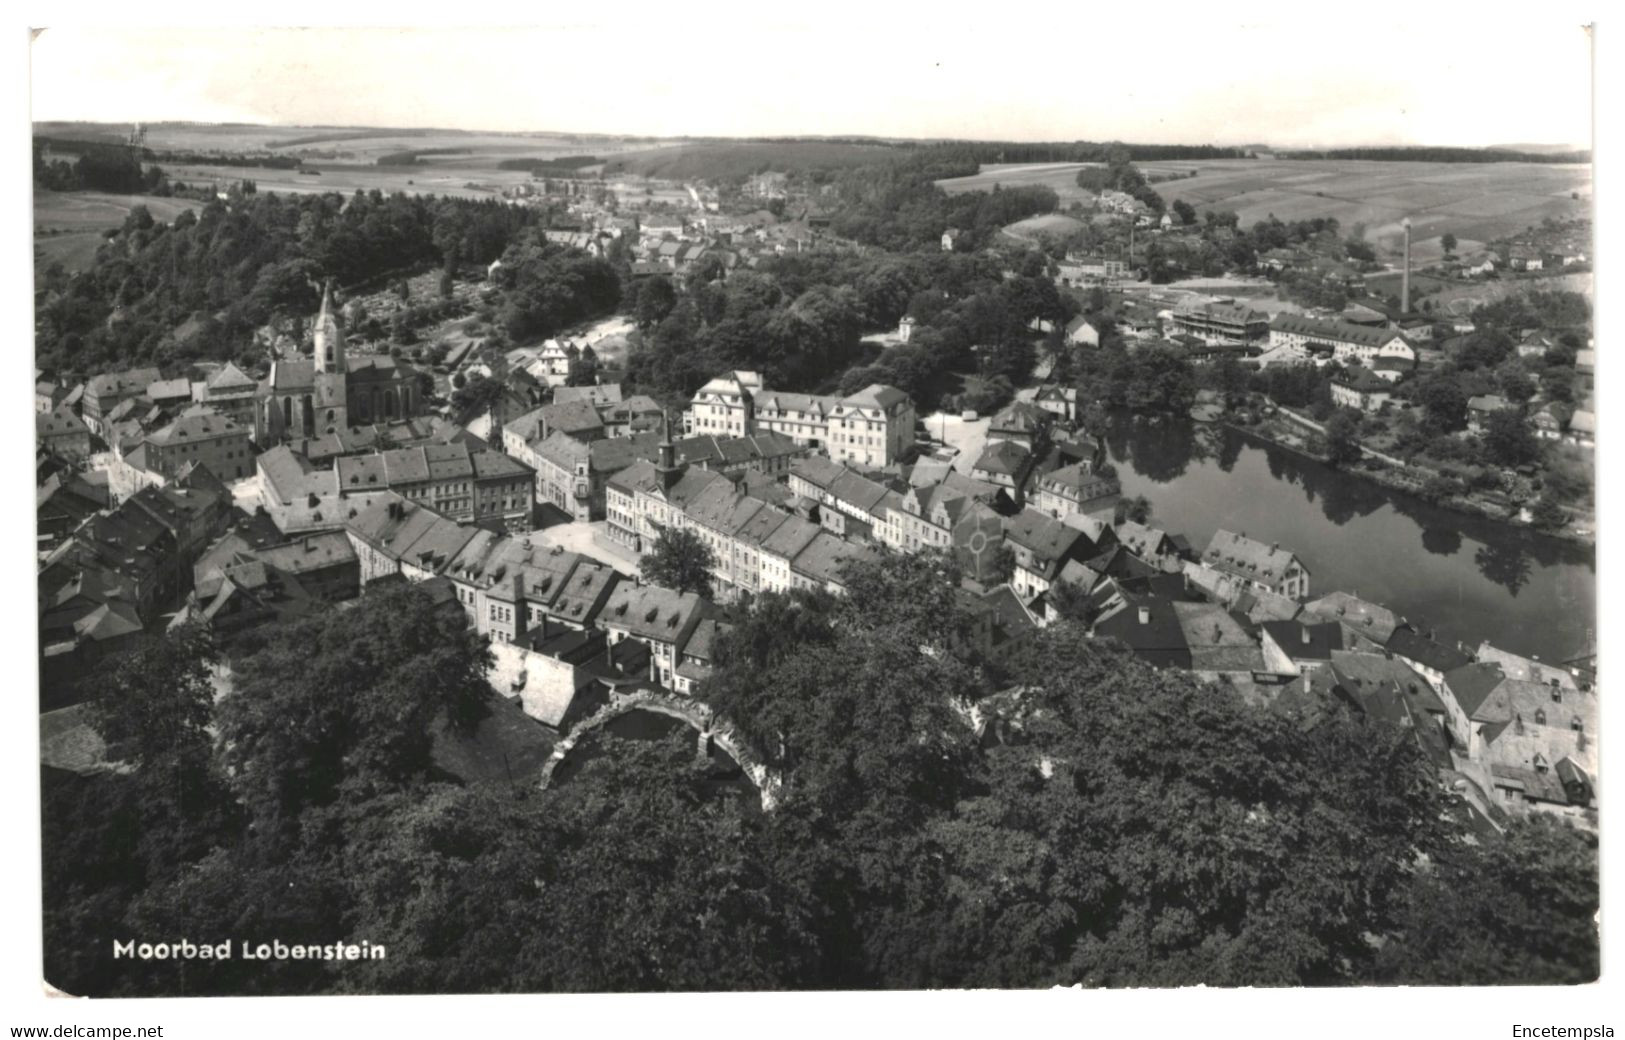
343, 702
679, 559
1445, 403
1547, 514
1508, 441
1185, 212
1342, 440
1137, 509
1517, 908
476, 396
1447, 241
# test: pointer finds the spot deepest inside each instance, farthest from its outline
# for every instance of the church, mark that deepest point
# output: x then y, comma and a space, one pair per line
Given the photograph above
331, 391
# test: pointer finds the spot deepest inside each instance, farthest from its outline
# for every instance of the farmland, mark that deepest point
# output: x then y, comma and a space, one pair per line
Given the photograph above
68, 227
1477, 202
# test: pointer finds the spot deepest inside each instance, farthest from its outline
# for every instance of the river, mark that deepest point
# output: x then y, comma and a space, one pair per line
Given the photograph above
1466, 577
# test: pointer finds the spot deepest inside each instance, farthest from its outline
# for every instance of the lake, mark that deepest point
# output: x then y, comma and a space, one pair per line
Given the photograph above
1466, 577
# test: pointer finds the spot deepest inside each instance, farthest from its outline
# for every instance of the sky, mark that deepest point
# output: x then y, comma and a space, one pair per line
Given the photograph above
1060, 72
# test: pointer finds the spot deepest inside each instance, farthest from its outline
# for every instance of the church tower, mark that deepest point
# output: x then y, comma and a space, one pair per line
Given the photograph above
329, 335
331, 368
670, 473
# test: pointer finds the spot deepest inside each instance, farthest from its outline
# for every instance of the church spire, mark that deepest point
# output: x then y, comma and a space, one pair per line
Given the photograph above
328, 350
668, 469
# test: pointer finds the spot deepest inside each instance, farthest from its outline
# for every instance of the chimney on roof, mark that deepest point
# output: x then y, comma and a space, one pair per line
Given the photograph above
1306, 638
1145, 615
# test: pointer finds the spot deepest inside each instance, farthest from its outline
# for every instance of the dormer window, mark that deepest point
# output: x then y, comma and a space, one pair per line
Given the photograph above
1577, 724
1540, 716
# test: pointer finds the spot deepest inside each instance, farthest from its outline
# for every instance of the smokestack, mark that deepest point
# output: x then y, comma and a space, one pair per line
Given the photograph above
1405, 279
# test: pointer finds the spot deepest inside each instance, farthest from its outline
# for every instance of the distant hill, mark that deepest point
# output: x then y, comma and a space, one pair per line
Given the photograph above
1537, 149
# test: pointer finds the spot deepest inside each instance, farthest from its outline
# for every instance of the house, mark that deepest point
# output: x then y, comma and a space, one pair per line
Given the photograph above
1293, 647
1004, 463
1534, 745
201, 436
661, 619
1583, 429
1080, 270
1480, 408
1366, 625
62, 433
1218, 643
1360, 388
1019, 422
1267, 567
1523, 258
105, 392
1060, 401
1551, 420
1535, 343
1151, 544
950, 238
1078, 489
1150, 627
1392, 369
906, 327
1042, 546
48, 395
1081, 331
1429, 658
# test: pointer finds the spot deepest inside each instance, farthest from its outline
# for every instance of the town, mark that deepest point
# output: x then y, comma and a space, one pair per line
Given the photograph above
627, 434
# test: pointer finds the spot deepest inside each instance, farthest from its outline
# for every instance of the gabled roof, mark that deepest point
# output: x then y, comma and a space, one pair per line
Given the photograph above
1408, 643
650, 612
1333, 331
1301, 642
1003, 457
1247, 557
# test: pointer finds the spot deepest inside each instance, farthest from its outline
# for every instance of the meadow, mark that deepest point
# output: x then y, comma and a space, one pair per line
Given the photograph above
1477, 202
68, 227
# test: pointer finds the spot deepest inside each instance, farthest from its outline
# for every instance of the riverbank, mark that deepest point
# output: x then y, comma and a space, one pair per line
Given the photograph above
1286, 430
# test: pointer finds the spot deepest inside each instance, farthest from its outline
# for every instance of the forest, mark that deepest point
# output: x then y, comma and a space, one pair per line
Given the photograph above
799, 319
1107, 824
235, 264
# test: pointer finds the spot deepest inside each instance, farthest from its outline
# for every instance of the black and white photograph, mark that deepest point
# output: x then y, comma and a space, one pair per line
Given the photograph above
806, 501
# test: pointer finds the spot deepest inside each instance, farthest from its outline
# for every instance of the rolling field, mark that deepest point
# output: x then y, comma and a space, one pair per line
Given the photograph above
1476, 202
68, 227
1060, 176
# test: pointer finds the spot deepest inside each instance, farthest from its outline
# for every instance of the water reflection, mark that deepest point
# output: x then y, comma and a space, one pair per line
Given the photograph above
1441, 541
1504, 563
1480, 579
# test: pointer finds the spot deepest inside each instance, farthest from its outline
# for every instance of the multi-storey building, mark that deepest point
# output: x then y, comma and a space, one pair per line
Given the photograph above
1267, 567
1217, 322
873, 427
469, 486
1347, 341
201, 436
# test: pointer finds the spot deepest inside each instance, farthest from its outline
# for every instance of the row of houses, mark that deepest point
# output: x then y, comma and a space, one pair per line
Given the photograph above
522, 593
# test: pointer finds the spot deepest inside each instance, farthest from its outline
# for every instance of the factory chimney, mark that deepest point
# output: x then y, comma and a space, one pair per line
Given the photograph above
1405, 279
